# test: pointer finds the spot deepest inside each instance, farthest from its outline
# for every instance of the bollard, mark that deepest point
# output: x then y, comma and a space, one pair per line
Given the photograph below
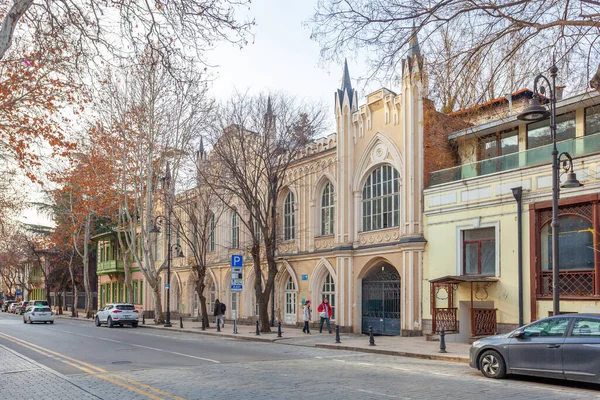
218, 325
443, 341
257, 331
235, 327
371, 338
203, 324
279, 329
143, 319
181, 322
337, 334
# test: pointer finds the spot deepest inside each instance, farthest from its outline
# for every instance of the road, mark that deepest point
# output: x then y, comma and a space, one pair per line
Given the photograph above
127, 363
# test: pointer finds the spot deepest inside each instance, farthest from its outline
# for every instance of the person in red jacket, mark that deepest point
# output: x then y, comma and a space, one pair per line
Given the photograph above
325, 313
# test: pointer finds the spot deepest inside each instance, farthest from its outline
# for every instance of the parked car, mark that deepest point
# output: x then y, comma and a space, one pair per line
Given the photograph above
563, 347
118, 314
13, 307
38, 314
21, 307
39, 303
7, 304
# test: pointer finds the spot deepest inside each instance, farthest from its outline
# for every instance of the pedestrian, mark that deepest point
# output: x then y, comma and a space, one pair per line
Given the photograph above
306, 314
218, 312
325, 313
222, 314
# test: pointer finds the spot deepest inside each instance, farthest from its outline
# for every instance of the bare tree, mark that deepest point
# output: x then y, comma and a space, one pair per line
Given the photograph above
491, 36
197, 214
255, 142
174, 29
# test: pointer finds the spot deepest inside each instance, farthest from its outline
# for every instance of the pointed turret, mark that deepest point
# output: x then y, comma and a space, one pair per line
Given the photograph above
201, 151
270, 119
346, 87
413, 44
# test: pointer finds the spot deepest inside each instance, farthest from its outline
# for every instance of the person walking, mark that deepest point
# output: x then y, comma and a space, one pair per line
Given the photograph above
325, 313
218, 312
306, 314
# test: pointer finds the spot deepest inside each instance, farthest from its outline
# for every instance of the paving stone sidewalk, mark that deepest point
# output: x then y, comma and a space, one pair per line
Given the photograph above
416, 347
23, 378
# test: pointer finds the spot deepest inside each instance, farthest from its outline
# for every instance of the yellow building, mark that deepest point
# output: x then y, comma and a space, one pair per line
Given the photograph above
351, 222
471, 281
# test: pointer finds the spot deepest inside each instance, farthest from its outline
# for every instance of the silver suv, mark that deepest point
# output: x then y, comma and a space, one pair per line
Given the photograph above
118, 314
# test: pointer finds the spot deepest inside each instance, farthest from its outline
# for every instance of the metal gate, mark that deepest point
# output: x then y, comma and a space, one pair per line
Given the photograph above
381, 301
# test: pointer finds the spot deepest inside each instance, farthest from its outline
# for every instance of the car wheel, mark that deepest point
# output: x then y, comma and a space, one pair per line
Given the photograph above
109, 322
45, 322
492, 365
24, 321
134, 325
30, 321
51, 322
97, 321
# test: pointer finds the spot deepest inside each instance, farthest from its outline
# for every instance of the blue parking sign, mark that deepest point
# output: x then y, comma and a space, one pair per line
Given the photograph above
236, 260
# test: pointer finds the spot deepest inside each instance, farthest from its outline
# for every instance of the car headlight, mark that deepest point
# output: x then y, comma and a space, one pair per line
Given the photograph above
476, 343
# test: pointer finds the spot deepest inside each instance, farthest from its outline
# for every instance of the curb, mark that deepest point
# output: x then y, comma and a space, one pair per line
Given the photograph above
216, 334
460, 359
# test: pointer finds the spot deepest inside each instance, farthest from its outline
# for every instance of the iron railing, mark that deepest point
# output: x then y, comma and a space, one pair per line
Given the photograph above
483, 321
572, 283
444, 318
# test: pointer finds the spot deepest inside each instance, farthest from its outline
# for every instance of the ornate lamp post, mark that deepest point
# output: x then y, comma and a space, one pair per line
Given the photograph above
155, 229
533, 113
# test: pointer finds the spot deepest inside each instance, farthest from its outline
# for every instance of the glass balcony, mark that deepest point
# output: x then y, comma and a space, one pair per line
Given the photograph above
110, 267
577, 147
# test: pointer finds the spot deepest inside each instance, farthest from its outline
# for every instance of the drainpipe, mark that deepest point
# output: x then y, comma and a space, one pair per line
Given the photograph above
518, 193
510, 103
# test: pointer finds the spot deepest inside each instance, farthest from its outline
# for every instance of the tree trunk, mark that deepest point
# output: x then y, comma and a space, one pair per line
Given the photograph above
72, 273
158, 314
263, 312
128, 283
89, 309
60, 303
203, 308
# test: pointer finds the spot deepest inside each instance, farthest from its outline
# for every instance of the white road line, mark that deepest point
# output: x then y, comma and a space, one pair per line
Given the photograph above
140, 346
381, 394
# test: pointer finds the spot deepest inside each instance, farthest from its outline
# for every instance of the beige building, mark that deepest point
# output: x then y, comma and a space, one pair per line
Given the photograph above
351, 222
471, 281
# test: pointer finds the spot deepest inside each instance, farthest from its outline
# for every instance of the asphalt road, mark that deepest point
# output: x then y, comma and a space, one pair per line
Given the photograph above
129, 363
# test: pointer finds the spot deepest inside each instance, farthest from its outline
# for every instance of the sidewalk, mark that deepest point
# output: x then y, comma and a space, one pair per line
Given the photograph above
21, 377
416, 347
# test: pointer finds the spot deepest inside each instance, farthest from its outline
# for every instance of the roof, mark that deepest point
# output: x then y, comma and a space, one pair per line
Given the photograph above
518, 93
464, 278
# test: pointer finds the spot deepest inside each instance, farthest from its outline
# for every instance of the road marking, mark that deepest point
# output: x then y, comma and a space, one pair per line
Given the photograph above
140, 346
381, 394
93, 370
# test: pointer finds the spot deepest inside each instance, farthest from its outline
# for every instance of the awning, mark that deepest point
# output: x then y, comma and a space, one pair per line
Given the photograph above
454, 279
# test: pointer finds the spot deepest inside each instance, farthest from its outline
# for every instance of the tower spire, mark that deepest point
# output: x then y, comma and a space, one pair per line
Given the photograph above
201, 147
346, 86
413, 43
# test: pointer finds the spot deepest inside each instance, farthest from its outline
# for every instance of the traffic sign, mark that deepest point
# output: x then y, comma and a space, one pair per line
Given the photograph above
236, 288
18, 292
236, 260
166, 286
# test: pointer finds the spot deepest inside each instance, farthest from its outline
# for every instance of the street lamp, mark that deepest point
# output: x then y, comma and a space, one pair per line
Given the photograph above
533, 113
155, 229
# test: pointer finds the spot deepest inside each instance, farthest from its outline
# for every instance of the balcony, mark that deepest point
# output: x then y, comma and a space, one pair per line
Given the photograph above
110, 267
577, 147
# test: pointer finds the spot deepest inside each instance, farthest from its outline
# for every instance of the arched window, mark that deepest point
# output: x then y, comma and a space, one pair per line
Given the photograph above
235, 230
211, 235
327, 210
212, 297
289, 221
328, 293
576, 244
381, 199
290, 301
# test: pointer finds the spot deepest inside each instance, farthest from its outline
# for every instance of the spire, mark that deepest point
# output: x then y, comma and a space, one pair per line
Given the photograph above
202, 147
346, 86
413, 43
269, 107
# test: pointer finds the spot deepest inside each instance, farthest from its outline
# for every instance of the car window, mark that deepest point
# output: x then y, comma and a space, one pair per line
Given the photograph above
125, 307
586, 327
547, 328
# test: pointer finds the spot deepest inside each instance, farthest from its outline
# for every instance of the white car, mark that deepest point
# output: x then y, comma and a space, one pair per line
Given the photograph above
38, 314
118, 314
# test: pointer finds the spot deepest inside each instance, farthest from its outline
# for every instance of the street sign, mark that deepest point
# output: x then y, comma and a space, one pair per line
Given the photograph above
236, 260
18, 292
236, 288
166, 286
304, 277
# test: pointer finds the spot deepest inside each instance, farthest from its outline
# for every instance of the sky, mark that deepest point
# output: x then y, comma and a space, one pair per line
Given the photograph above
282, 59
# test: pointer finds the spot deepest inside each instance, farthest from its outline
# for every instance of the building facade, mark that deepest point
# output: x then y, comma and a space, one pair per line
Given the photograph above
473, 281
351, 220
